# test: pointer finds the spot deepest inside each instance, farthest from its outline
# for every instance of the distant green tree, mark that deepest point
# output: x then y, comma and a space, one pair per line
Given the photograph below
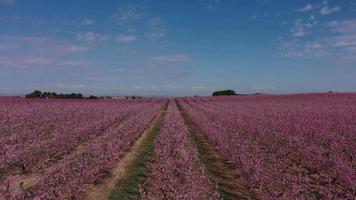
39, 94
34, 94
46, 95
224, 93
92, 97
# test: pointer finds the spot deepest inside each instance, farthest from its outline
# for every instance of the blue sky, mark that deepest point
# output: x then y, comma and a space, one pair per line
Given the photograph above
186, 47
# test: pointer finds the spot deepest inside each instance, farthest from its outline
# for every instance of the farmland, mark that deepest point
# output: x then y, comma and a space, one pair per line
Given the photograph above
298, 146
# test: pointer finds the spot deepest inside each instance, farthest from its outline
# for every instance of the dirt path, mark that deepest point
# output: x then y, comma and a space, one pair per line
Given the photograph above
123, 169
230, 184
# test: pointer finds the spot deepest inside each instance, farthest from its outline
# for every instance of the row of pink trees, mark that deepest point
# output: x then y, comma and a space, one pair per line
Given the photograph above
176, 172
291, 146
75, 171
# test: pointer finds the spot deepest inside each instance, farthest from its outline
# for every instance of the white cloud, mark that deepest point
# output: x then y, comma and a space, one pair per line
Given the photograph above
133, 16
252, 17
307, 7
333, 23
314, 45
156, 34
348, 59
155, 22
346, 35
309, 49
326, 10
156, 29
344, 40
212, 5
128, 13
175, 58
299, 33
78, 49
25, 62
37, 61
88, 22
92, 37
74, 64
299, 28
264, 88
312, 17
347, 26
341, 41
126, 38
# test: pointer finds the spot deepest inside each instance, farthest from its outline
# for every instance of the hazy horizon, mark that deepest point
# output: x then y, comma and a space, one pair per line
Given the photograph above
177, 48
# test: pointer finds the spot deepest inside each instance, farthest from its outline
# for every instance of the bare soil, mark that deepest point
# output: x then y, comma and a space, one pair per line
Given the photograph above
103, 190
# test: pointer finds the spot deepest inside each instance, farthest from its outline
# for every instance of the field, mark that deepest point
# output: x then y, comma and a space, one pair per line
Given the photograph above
300, 146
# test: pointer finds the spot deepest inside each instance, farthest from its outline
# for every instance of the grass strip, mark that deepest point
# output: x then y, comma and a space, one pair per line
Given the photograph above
129, 188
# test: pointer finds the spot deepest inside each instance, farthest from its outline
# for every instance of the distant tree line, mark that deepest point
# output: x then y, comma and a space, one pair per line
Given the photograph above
224, 93
53, 95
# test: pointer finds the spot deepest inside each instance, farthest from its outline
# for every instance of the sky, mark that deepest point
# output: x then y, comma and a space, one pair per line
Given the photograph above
177, 48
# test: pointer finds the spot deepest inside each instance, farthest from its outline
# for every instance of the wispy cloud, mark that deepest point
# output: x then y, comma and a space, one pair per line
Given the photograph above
135, 18
75, 63
263, 88
326, 10
92, 37
175, 58
307, 7
345, 38
24, 62
9, 46
75, 48
340, 40
156, 28
212, 5
37, 61
126, 38
299, 28
348, 59
346, 26
155, 22
308, 49
31, 62
129, 13
88, 22
156, 34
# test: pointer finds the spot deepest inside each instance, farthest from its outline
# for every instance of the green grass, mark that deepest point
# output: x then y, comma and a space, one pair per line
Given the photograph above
129, 188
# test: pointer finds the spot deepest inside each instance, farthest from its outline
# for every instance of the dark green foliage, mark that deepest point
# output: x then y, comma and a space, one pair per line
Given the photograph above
92, 97
48, 95
224, 93
34, 94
